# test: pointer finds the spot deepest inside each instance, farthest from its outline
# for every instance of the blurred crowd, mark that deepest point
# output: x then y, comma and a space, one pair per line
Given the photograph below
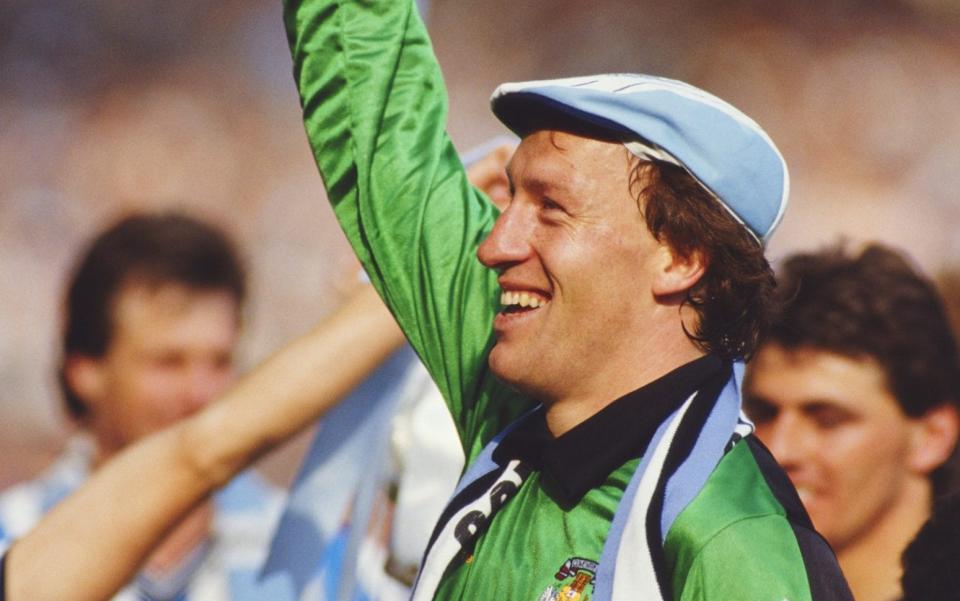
110, 107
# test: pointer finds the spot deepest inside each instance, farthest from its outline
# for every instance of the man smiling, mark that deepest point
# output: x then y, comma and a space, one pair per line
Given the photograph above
598, 401
574, 345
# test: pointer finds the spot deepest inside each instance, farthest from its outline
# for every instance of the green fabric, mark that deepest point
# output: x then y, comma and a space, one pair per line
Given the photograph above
375, 109
734, 541
531, 539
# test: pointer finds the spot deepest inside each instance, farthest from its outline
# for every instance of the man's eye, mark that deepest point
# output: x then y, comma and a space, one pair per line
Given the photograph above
168, 361
223, 361
761, 412
830, 419
827, 417
551, 205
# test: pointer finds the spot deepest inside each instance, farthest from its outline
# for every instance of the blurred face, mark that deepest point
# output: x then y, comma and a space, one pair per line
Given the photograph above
574, 257
171, 353
838, 432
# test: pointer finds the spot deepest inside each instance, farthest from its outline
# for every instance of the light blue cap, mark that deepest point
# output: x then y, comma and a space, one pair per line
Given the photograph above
657, 118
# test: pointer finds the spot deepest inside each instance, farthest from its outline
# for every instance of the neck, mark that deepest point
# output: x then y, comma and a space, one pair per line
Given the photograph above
871, 562
661, 354
104, 449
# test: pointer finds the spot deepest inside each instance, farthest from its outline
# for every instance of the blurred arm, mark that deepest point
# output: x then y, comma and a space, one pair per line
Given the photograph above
92, 543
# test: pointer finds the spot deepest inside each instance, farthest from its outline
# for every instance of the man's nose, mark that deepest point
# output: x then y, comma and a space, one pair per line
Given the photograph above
509, 240
204, 384
789, 440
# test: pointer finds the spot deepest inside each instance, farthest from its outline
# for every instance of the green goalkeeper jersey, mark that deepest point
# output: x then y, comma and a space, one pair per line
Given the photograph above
375, 109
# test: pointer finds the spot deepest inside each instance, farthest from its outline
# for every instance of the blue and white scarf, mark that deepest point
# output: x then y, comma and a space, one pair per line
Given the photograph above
679, 459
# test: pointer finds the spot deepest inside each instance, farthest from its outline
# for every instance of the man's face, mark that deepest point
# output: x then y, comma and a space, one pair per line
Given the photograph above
574, 256
839, 433
171, 353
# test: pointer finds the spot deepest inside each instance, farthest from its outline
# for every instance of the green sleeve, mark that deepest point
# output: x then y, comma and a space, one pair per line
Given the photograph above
374, 107
747, 560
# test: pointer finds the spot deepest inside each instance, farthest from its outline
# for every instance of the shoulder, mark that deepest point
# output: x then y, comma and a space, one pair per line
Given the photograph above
747, 533
22, 505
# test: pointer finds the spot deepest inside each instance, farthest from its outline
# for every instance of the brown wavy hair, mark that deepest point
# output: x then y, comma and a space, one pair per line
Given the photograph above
734, 299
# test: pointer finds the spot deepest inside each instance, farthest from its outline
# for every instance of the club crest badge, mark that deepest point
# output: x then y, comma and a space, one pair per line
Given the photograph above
575, 581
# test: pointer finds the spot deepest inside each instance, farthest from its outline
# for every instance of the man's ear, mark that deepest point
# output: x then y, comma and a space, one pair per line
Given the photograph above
85, 377
676, 274
934, 438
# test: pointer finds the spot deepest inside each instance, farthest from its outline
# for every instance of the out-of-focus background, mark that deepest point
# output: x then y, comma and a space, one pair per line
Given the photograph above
108, 106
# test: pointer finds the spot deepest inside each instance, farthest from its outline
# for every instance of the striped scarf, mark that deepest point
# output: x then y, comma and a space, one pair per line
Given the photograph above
678, 460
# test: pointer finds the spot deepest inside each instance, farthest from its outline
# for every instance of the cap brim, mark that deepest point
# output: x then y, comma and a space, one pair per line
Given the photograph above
526, 112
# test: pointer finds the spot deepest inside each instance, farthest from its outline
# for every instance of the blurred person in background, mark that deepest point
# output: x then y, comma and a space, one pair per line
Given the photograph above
97, 544
153, 314
855, 393
90, 544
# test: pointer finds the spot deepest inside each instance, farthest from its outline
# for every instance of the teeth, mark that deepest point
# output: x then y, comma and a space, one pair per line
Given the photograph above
523, 299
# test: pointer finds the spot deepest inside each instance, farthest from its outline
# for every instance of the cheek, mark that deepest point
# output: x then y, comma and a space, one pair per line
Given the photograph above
224, 379
864, 458
218, 383
153, 397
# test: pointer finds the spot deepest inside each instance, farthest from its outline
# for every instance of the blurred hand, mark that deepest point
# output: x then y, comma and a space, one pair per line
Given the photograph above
490, 174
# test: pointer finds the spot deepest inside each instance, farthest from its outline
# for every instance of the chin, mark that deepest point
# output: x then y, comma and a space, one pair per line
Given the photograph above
512, 373
500, 365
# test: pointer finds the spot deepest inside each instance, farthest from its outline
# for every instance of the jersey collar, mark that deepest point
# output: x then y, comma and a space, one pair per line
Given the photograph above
584, 457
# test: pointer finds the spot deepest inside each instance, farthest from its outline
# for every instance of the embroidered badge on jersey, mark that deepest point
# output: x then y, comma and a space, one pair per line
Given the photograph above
575, 576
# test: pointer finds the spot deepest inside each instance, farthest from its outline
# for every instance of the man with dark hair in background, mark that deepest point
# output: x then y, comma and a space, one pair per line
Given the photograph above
153, 314
855, 391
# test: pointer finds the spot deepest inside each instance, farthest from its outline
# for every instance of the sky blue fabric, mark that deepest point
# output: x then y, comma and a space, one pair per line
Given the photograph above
340, 469
681, 488
707, 452
606, 568
726, 151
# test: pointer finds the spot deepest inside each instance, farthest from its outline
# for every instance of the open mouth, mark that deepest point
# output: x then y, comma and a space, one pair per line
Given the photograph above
521, 302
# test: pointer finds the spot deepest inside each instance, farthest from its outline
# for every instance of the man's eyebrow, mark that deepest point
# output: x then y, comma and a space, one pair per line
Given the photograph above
756, 400
821, 405
536, 181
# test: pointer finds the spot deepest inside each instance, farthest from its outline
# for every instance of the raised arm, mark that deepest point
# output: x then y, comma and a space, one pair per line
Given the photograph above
94, 541
375, 112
